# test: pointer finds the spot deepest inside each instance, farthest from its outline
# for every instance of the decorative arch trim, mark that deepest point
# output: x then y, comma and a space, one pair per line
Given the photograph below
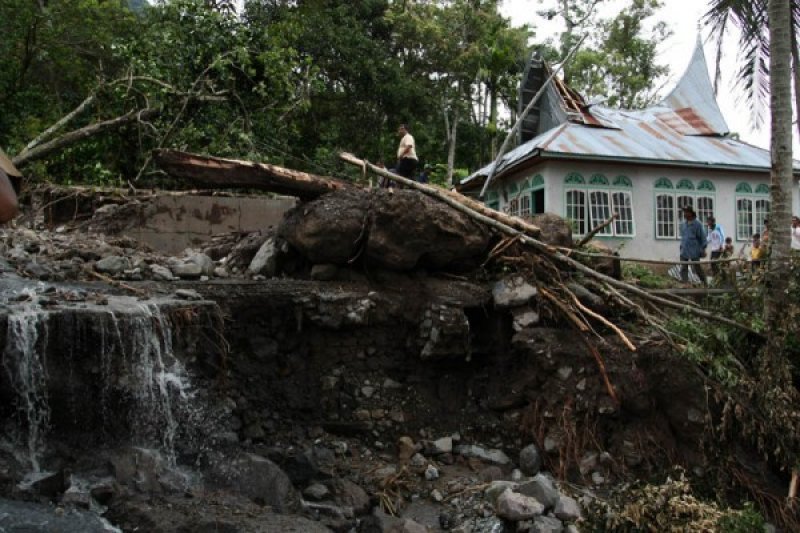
745, 188
575, 179
685, 185
762, 188
706, 185
598, 179
622, 181
663, 183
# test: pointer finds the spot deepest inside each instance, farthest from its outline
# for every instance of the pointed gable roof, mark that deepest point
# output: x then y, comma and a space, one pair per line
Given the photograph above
693, 98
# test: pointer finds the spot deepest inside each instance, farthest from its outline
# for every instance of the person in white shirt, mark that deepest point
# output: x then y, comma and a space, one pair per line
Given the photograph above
406, 153
795, 233
716, 242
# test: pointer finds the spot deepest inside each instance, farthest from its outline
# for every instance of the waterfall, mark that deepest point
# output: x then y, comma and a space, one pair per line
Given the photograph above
128, 342
24, 361
162, 386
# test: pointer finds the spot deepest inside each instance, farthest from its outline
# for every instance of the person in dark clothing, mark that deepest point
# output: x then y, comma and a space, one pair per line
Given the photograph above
424, 176
693, 245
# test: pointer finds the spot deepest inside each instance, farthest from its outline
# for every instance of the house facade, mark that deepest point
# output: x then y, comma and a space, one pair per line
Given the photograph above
645, 166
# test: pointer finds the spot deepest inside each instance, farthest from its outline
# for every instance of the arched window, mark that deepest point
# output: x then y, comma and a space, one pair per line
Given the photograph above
589, 205
622, 181
573, 178
669, 204
598, 180
663, 183
752, 208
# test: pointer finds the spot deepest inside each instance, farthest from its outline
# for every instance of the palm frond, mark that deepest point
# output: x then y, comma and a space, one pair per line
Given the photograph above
750, 17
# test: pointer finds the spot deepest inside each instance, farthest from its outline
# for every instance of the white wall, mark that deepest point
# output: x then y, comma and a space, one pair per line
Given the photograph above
644, 244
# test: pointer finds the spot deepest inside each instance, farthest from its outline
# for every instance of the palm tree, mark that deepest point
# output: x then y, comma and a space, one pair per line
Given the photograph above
750, 17
770, 54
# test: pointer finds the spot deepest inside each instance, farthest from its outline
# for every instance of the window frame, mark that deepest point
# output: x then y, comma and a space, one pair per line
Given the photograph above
754, 218
684, 193
600, 200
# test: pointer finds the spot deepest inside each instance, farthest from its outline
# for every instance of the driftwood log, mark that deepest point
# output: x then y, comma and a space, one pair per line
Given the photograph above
216, 172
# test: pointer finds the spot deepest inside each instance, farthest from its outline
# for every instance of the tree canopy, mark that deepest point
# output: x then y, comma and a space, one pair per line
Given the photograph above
286, 81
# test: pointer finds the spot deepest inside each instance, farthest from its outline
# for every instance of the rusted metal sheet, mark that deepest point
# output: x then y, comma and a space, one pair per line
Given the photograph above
694, 97
686, 128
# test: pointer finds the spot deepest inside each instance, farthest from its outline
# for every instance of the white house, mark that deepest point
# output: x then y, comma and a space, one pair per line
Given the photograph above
586, 161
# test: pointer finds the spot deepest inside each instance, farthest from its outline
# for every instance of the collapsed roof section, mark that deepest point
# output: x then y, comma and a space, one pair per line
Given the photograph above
685, 129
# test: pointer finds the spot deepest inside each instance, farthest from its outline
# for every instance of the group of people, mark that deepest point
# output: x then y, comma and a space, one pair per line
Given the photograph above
695, 240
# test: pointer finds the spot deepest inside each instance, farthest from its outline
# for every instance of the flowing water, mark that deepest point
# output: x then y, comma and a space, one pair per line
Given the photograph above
130, 345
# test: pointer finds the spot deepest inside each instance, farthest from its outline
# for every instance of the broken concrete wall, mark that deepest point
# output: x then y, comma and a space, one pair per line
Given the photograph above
168, 223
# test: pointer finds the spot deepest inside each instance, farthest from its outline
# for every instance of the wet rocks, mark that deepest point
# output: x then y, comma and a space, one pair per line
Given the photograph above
516, 507
530, 460
512, 291
490, 456
113, 264
542, 488
259, 479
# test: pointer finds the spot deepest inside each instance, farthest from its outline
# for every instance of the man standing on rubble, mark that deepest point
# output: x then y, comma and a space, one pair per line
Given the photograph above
693, 244
406, 153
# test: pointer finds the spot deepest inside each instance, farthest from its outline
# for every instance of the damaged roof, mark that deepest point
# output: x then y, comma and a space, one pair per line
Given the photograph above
685, 129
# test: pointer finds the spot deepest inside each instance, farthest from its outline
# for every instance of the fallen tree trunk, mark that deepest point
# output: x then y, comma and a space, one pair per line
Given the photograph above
492, 219
451, 198
216, 172
45, 149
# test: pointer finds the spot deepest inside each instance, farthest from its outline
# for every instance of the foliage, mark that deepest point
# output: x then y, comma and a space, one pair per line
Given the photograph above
618, 63
757, 403
645, 277
669, 506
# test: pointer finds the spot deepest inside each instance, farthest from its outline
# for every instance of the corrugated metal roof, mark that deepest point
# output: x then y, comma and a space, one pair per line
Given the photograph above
685, 129
646, 136
693, 97
7, 166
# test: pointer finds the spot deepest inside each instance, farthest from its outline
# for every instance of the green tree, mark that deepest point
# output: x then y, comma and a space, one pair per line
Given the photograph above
618, 63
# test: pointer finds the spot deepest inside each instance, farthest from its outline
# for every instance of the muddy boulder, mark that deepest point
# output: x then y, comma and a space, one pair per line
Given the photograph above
556, 230
392, 229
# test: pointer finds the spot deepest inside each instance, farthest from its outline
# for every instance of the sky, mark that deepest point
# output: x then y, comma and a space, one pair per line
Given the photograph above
682, 17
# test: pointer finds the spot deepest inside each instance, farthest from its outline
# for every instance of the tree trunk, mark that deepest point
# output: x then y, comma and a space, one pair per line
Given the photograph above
451, 148
781, 186
232, 174
59, 143
796, 74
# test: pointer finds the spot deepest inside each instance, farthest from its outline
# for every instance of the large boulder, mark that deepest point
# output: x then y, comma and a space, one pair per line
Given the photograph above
606, 265
556, 230
392, 229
